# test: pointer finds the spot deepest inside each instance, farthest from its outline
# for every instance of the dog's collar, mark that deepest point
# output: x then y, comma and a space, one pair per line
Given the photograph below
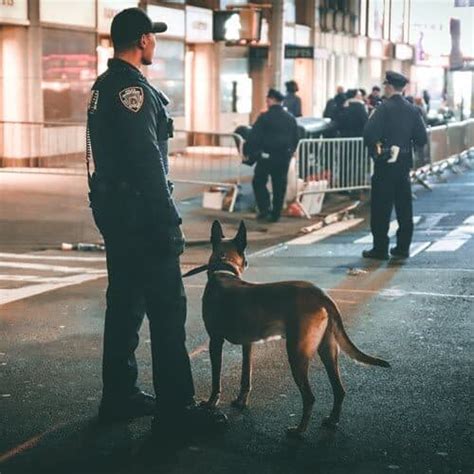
223, 267
225, 272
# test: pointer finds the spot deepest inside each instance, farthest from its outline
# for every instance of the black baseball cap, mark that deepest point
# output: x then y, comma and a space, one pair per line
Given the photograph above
395, 79
130, 24
274, 94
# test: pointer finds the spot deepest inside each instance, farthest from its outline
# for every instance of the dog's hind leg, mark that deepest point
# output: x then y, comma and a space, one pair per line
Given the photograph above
215, 352
246, 382
300, 351
329, 351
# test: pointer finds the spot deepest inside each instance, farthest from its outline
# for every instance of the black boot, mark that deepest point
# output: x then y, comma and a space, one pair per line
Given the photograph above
137, 405
397, 253
373, 253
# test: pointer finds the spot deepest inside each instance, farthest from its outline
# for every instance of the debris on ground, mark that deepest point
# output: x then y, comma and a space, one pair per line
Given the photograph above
356, 271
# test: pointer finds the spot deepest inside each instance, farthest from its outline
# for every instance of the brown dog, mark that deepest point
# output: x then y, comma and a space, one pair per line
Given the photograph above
244, 313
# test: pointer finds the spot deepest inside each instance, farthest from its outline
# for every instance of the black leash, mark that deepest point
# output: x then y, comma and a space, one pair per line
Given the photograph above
196, 270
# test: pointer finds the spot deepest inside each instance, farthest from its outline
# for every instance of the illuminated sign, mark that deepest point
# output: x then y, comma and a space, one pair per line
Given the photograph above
107, 9
236, 26
74, 13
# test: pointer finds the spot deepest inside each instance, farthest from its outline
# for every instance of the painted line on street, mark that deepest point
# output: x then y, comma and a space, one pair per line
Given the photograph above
15, 294
418, 247
325, 232
72, 258
397, 292
455, 239
31, 278
392, 230
50, 268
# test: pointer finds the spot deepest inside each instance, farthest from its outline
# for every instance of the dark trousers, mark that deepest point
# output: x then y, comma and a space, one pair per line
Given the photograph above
277, 169
391, 187
143, 280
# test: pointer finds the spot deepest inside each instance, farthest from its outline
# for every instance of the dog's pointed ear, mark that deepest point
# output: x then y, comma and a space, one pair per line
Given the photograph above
241, 238
216, 233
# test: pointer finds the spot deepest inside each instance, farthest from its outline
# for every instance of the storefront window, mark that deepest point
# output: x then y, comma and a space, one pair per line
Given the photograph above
69, 70
397, 18
167, 73
236, 93
375, 19
290, 11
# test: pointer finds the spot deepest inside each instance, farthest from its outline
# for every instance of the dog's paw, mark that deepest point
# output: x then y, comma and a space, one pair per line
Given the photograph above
239, 403
329, 422
294, 432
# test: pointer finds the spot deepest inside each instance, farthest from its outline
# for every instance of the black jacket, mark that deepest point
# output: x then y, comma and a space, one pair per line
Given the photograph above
352, 119
275, 132
395, 122
292, 103
129, 127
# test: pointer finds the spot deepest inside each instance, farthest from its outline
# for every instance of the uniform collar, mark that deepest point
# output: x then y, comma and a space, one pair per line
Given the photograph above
117, 63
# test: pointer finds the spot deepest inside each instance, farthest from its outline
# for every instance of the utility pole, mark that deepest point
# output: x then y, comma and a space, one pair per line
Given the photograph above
276, 44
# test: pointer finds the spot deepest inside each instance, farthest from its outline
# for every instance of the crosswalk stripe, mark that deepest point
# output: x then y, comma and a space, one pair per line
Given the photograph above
455, 239
367, 239
71, 258
15, 294
325, 232
51, 268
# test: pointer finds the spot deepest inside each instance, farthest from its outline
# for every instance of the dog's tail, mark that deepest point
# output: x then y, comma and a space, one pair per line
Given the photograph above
343, 339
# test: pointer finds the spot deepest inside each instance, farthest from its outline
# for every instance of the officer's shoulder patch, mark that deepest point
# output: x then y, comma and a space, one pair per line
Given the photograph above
132, 98
93, 101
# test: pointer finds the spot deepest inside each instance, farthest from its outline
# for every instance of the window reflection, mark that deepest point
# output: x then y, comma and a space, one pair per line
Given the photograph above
167, 73
69, 70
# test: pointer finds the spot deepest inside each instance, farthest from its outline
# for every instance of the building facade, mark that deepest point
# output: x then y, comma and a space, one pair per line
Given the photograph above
52, 50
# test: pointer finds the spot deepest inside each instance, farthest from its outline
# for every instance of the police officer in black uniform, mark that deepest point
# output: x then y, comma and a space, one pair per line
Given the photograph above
391, 132
130, 196
275, 135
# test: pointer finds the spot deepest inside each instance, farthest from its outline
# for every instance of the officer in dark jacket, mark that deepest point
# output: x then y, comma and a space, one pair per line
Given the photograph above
275, 135
128, 131
391, 132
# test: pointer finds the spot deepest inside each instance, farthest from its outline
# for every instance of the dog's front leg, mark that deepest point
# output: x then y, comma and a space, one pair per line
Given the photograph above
215, 351
246, 382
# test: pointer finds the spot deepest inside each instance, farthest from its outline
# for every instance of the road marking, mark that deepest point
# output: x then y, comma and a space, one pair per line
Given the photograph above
325, 232
455, 239
418, 247
72, 258
432, 220
392, 230
50, 268
30, 278
15, 294
398, 292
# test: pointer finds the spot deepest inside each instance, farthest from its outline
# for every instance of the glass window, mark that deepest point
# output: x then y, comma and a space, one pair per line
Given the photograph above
290, 11
397, 17
167, 73
69, 67
375, 19
234, 84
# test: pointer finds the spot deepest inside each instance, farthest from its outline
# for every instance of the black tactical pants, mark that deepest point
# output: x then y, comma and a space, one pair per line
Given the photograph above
277, 169
391, 187
144, 277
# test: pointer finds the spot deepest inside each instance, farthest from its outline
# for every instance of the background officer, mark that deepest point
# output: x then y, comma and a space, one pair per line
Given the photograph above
128, 130
275, 135
391, 132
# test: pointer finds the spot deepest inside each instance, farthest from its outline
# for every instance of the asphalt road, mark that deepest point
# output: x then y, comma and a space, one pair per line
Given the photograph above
415, 417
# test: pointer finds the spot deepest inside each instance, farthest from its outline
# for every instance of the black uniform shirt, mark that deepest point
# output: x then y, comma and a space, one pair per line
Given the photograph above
395, 122
129, 128
275, 132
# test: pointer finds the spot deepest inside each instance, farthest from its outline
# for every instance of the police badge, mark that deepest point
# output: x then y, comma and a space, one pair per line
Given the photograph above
132, 98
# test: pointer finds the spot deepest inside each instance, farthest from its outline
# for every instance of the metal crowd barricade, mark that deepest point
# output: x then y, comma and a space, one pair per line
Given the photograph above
208, 158
450, 147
